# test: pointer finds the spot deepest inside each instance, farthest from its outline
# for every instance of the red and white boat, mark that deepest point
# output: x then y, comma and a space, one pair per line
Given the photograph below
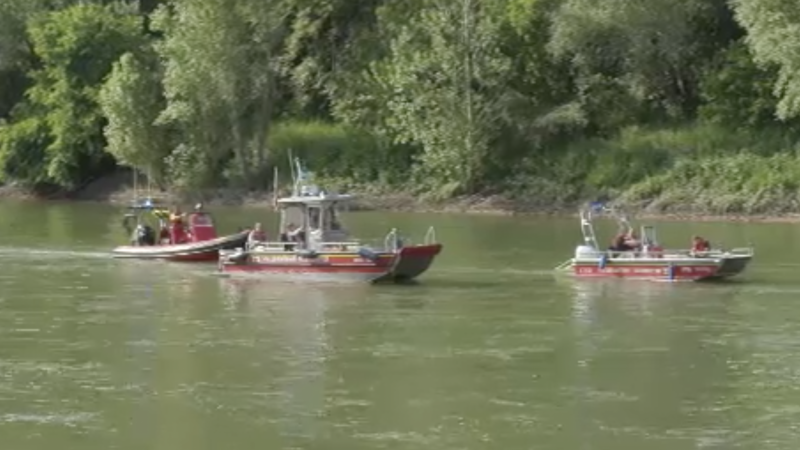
201, 242
318, 247
650, 261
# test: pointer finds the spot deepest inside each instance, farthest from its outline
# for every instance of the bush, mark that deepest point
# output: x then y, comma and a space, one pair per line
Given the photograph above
338, 152
704, 168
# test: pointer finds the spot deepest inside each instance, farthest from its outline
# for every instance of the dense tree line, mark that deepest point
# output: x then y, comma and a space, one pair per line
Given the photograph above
555, 98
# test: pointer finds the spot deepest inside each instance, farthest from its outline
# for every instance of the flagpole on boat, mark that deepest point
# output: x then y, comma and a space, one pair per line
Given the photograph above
275, 197
135, 186
292, 172
275, 188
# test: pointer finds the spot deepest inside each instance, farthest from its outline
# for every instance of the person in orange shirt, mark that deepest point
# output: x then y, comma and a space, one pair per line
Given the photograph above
177, 231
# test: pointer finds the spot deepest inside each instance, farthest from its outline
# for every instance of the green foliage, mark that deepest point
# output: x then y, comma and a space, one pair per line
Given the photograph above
444, 89
737, 92
739, 183
652, 50
132, 99
338, 151
75, 48
22, 152
704, 168
772, 35
671, 103
219, 81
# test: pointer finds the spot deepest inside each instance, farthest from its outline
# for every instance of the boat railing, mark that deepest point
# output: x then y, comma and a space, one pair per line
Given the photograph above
564, 265
391, 241
430, 236
394, 240
283, 247
742, 251
669, 253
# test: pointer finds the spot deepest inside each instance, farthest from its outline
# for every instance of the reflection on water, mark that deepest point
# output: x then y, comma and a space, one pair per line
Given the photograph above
297, 318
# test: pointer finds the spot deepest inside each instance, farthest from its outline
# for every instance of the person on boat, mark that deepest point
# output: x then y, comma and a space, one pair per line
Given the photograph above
256, 236
293, 233
633, 241
163, 224
700, 246
620, 243
177, 230
651, 249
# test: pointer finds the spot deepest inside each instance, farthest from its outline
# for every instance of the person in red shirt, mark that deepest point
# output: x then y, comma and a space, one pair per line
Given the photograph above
700, 245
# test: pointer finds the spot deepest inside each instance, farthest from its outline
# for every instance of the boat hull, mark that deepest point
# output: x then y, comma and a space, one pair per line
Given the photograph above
387, 267
680, 269
203, 251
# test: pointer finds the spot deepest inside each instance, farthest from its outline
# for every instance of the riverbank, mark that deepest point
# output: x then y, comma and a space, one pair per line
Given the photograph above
117, 189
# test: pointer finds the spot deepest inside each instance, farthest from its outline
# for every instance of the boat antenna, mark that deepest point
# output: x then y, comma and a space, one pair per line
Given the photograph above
135, 186
292, 172
149, 198
275, 187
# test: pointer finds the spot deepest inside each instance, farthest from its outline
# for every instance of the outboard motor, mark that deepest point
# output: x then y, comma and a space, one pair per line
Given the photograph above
145, 235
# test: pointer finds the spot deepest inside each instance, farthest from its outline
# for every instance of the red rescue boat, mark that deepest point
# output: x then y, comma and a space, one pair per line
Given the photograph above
315, 245
196, 241
644, 258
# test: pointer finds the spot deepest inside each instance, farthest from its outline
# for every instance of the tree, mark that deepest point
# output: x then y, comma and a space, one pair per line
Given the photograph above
328, 41
220, 71
773, 39
444, 88
651, 50
131, 100
75, 47
737, 92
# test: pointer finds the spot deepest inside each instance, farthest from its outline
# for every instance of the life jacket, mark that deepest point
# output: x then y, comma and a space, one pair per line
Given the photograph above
176, 230
701, 245
619, 244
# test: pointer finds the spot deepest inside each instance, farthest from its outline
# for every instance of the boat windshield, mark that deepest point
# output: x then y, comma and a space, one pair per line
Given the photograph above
314, 218
331, 218
292, 214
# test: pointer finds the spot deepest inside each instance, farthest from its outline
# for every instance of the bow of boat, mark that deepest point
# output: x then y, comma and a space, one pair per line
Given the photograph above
732, 263
409, 263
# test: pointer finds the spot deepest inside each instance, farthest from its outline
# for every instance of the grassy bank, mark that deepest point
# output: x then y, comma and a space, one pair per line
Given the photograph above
697, 170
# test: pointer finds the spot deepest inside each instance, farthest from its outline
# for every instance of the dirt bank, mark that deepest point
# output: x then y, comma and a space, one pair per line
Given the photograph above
119, 189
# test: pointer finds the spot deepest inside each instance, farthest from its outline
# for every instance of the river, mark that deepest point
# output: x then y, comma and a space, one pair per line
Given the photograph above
489, 351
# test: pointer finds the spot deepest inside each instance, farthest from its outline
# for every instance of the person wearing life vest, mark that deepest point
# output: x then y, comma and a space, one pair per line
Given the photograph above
177, 231
699, 246
620, 244
163, 224
256, 236
632, 241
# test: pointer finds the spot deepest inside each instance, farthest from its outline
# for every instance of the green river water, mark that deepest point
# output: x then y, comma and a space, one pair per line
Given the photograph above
489, 351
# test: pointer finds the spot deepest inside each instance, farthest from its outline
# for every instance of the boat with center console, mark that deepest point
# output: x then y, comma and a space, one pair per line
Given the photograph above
645, 258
